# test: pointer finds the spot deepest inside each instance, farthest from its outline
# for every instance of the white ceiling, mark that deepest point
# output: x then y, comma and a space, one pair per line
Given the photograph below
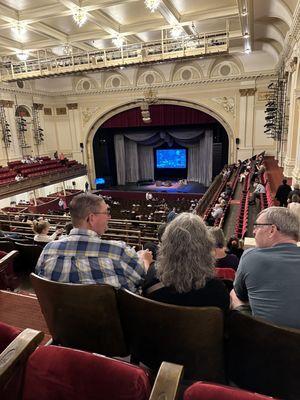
49, 23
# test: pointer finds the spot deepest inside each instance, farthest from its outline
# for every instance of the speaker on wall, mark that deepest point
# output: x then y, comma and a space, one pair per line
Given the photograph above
237, 140
81, 145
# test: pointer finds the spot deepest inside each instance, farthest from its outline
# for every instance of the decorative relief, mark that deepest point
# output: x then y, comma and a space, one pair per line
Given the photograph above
87, 114
247, 92
227, 103
186, 73
116, 81
150, 77
225, 68
85, 84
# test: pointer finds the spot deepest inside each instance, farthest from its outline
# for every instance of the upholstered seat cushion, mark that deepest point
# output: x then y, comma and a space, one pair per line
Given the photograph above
210, 391
60, 373
7, 335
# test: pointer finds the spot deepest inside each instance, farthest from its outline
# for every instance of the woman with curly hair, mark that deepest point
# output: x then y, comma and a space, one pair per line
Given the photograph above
184, 271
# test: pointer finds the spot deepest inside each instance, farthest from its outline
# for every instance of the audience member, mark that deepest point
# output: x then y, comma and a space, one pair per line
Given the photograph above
223, 260
282, 193
172, 214
185, 266
234, 247
268, 276
259, 188
294, 205
83, 257
41, 230
296, 190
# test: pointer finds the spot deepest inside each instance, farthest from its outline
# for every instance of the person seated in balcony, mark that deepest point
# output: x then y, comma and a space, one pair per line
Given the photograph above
19, 177
259, 188
235, 246
84, 257
184, 271
223, 259
41, 229
268, 275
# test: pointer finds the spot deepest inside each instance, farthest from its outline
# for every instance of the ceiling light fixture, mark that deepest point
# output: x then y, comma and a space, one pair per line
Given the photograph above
246, 35
176, 31
19, 30
247, 51
22, 56
244, 12
152, 4
80, 16
118, 41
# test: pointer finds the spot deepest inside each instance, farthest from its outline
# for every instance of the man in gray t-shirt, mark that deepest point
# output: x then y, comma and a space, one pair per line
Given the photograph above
268, 276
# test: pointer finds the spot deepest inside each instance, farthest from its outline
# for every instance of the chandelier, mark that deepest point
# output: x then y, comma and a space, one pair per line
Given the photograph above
22, 56
118, 41
19, 30
80, 16
152, 4
176, 31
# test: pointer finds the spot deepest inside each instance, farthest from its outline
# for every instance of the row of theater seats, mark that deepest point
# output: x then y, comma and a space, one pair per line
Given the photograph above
241, 224
251, 353
51, 372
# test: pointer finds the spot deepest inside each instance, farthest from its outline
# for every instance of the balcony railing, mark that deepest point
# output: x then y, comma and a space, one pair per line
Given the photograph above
131, 54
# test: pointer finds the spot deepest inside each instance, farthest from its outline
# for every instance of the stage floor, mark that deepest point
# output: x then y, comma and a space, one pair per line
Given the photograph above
176, 187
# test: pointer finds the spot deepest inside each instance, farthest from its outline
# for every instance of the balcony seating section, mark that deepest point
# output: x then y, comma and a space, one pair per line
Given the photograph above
46, 166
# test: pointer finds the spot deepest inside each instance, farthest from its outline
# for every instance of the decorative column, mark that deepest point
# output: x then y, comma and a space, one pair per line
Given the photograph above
246, 126
73, 120
296, 170
289, 162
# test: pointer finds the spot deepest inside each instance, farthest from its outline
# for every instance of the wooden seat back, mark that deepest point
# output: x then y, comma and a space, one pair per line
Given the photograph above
190, 336
263, 357
81, 316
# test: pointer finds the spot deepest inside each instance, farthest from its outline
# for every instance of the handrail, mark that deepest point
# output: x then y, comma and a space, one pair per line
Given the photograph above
130, 54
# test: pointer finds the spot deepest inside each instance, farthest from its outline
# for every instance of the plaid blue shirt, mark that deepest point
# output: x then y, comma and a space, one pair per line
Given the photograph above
82, 257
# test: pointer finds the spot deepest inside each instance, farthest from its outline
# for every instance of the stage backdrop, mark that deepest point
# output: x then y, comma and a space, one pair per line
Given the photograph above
135, 160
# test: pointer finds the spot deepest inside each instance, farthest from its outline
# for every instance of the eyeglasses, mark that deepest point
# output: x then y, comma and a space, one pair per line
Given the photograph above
107, 212
256, 224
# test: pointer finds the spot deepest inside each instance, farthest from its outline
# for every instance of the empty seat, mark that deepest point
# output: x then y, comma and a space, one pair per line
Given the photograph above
263, 357
81, 316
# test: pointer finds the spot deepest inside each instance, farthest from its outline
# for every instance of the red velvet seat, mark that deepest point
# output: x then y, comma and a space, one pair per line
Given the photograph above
7, 335
211, 391
225, 273
60, 373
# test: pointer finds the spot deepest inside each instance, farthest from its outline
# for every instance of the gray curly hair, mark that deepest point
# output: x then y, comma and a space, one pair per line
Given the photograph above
185, 259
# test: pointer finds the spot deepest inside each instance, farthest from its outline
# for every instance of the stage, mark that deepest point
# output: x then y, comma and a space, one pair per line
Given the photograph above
159, 189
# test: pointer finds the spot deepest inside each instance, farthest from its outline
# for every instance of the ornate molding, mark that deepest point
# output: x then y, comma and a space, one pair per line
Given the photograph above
72, 106
247, 92
228, 103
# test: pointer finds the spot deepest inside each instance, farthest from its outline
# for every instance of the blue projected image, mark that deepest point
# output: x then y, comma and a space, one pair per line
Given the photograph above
100, 181
173, 158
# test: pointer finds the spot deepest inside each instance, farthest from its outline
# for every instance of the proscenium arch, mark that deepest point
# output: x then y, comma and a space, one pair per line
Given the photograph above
103, 117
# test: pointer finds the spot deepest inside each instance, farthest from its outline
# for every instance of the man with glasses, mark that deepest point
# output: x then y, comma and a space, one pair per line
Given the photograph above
268, 276
83, 257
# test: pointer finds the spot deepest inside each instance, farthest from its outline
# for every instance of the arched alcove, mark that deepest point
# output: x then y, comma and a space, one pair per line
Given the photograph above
103, 121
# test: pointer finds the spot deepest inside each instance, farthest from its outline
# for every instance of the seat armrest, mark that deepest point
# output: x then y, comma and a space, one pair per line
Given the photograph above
167, 382
8, 258
17, 352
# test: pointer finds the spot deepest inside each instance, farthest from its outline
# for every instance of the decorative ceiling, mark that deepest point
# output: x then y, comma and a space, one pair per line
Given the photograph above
33, 26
